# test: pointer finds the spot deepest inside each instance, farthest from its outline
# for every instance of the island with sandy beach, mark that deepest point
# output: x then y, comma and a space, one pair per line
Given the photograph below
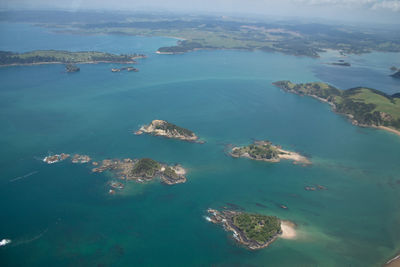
255, 231
266, 151
168, 130
364, 107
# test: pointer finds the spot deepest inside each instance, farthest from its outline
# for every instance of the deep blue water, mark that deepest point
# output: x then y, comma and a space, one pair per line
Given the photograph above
62, 215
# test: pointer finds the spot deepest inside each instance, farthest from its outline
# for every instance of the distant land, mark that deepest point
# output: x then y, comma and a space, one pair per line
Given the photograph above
364, 106
63, 57
196, 32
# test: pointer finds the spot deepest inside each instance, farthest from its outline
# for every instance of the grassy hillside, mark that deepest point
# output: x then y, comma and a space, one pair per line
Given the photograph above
365, 106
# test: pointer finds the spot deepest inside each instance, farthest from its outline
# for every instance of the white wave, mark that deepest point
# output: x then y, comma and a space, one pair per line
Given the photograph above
4, 242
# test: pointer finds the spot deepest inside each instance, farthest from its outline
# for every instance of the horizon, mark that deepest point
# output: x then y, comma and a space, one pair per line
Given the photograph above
355, 11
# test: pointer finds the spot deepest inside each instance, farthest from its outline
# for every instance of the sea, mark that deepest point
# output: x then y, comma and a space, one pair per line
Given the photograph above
62, 214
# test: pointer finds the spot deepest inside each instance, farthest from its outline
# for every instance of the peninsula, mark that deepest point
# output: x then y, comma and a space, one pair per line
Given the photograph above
266, 151
169, 130
364, 106
63, 57
254, 231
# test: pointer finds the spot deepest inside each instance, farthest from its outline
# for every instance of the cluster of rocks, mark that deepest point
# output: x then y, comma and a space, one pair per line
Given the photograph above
314, 188
77, 158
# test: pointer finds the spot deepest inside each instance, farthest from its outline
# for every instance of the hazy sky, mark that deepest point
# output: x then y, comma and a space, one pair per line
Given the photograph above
363, 10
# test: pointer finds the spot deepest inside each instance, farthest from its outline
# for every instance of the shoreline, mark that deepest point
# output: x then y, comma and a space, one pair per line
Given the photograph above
397, 132
394, 262
288, 230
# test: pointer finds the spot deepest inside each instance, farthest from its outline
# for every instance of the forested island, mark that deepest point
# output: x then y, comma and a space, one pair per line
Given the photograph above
168, 130
364, 106
266, 151
255, 231
64, 57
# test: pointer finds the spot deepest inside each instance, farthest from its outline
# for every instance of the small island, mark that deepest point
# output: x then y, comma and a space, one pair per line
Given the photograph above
71, 68
341, 63
396, 74
143, 170
363, 106
64, 57
168, 130
254, 231
266, 151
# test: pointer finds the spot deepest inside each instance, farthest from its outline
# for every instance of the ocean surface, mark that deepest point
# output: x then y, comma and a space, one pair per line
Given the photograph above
62, 214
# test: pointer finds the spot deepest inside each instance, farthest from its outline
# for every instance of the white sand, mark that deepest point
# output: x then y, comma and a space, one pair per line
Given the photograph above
288, 231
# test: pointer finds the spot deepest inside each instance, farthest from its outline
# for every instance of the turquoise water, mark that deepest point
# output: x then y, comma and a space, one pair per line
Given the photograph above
63, 216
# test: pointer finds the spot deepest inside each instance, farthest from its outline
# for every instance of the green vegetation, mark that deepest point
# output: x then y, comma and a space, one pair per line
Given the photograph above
182, 47
169, 172
260, 228
258, 150
170, 127
55, 56
366, 106
146, 167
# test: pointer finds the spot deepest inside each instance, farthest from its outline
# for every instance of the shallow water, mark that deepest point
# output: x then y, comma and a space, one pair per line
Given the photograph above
61, 214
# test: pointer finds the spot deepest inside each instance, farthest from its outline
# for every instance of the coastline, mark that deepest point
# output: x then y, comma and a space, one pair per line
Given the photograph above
388, 129
349, 116
394, 262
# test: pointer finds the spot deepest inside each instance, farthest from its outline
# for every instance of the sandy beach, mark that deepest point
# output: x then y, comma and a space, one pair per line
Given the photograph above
395, 262
288, 230
389, 129
293, 156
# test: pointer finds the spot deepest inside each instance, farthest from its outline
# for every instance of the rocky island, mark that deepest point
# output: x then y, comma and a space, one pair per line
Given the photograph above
55, 158
266, 151
71, 68
363, 106
254, 231
142, 170
396, 74
169, 130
